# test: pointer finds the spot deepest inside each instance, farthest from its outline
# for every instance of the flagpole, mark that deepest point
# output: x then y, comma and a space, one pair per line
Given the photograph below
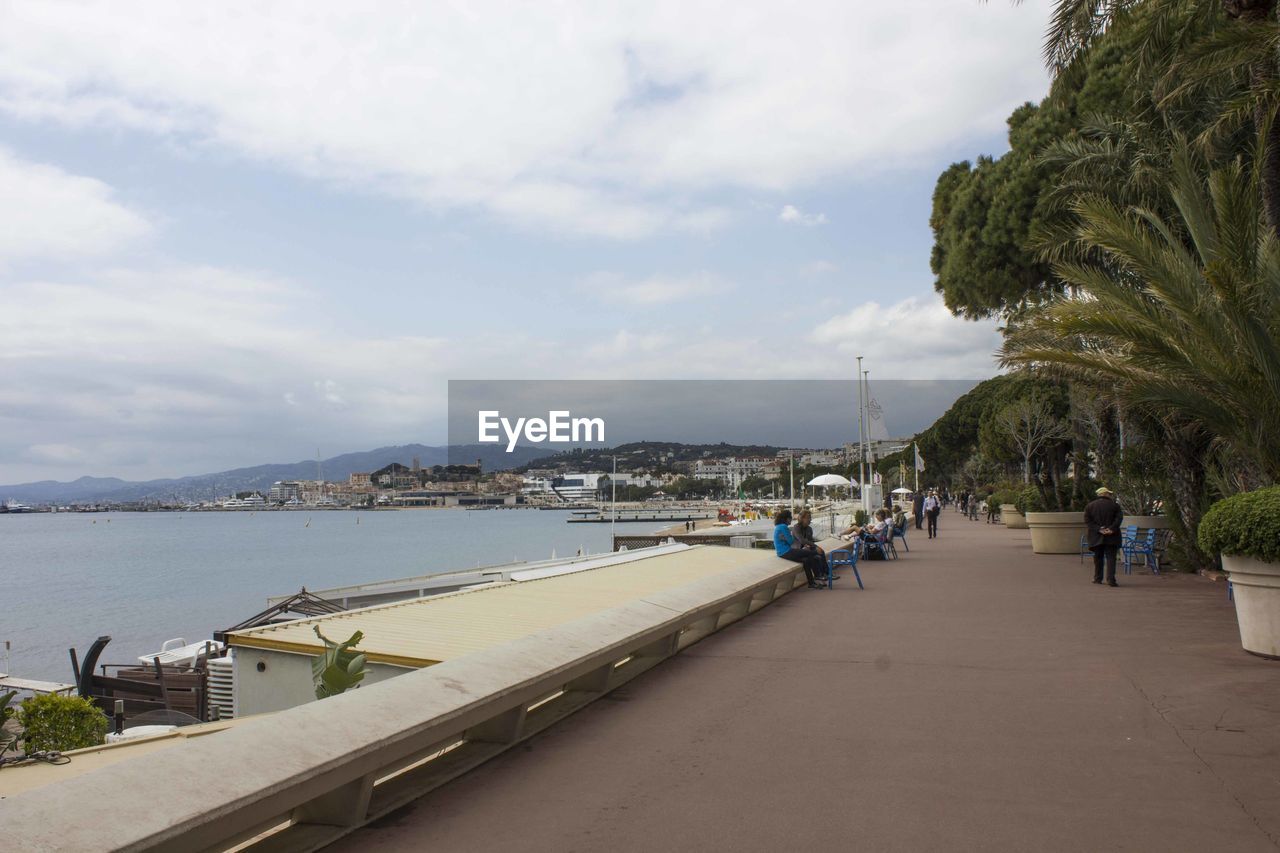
871, 457
792, 456
915, 463
862, 450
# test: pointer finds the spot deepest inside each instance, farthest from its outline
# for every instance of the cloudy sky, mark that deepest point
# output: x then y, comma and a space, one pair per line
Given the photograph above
237, 233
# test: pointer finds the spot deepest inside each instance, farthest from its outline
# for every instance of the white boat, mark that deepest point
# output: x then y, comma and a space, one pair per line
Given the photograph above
14, 506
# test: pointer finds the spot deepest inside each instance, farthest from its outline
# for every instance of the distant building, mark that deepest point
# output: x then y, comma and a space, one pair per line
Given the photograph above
820, 458
582, 487
732, 469
283, 492
360, 482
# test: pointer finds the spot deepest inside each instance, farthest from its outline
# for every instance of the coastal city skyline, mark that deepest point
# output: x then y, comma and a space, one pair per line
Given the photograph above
213, 257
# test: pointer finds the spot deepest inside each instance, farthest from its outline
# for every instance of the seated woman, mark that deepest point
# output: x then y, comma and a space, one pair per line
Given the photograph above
879, 525
785, 545
803, 533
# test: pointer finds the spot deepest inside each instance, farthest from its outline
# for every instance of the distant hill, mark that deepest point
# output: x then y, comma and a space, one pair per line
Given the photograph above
646, 454
260, 477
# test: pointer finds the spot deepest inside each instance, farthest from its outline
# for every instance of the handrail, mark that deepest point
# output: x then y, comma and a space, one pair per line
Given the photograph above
313, 773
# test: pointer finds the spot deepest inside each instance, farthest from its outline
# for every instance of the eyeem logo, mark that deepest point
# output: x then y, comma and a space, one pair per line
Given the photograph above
559, 428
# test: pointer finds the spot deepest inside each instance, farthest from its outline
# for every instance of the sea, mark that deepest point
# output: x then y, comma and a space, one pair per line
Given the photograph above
146, 577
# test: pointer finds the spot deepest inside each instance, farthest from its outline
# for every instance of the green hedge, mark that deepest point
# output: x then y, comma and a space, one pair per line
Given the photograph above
1244, 525
61, 723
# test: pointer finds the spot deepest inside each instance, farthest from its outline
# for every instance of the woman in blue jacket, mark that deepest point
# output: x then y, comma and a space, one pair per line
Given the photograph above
785, 544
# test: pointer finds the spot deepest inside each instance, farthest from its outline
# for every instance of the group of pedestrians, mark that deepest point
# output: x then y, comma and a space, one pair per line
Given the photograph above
795, 542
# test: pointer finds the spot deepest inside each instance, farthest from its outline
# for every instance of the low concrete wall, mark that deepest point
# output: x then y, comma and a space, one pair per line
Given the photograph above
302, 778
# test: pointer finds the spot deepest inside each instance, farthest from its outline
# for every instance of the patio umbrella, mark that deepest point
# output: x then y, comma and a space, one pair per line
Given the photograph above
901, 490
829, 480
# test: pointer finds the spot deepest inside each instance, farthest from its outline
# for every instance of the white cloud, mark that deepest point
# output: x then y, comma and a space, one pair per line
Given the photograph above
819, 267
46, 212
914, 338
55, 453
654, 290
584, 118
793, 215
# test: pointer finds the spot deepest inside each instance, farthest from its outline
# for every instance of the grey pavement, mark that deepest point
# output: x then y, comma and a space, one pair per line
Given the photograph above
973, 697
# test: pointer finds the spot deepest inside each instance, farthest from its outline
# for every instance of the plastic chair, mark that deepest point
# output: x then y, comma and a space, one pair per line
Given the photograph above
845, 557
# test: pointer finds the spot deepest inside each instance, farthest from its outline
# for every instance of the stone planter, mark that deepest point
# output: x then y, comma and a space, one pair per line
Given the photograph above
1256, 589
1012, 519
1056, 532
1146, 522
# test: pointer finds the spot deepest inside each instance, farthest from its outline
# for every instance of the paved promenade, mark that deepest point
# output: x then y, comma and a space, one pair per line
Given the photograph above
973, 697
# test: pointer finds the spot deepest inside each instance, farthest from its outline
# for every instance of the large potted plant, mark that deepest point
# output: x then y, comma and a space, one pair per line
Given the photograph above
1009, 512
1245, 530
1051, 532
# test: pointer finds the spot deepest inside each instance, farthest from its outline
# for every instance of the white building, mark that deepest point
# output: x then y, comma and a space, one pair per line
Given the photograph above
283, 492
583, 487
730, 470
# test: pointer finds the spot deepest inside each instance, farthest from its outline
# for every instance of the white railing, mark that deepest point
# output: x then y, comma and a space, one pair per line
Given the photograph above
301, 778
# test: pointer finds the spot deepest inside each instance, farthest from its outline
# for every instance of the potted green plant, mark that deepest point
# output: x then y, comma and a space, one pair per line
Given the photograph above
1245, 530
1051, 532
1007, 499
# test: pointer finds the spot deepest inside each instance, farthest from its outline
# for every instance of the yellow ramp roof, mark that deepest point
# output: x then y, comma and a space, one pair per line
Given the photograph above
425, 631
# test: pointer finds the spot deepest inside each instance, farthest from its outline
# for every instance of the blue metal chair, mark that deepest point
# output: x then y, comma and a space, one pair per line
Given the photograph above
885, 538
901, 533
1145, 548
1127, 535
845, 557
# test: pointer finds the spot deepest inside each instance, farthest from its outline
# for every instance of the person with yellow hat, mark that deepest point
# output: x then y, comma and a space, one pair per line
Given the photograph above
1103, 517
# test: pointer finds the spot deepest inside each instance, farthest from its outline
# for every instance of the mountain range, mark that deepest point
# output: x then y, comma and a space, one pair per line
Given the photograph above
260, 477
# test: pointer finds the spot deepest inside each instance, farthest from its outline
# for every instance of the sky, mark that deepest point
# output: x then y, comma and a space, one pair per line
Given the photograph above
239, 233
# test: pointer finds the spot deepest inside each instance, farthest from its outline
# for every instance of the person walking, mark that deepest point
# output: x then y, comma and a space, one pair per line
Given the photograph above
917, 509
1103, 517
932, 507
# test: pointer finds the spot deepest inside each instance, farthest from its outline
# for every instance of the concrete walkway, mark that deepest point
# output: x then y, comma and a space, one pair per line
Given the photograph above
973, 697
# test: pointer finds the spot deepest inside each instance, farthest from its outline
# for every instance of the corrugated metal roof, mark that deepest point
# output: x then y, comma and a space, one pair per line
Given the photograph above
426, 631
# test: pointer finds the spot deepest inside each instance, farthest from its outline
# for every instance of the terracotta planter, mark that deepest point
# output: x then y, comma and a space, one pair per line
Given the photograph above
1256, 589
1056, 532
1013, 519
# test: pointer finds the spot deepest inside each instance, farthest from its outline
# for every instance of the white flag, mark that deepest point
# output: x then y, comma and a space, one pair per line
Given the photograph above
876, 429
919, 459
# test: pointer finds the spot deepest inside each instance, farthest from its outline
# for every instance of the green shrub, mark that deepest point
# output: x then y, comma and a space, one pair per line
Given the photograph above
1244, 525
861, 517
61, 723
1030, 500
1000, 497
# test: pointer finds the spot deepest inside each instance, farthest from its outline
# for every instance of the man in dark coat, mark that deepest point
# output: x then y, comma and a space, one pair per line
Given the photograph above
917, 509
1103, 517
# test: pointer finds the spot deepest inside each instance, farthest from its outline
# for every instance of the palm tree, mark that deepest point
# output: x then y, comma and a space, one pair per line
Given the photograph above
1181, 318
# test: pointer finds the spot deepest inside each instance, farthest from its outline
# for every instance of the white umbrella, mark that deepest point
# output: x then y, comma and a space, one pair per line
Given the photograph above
828, 480
901, 491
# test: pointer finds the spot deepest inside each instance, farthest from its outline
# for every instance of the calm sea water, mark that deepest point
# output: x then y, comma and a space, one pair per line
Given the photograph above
143, 578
